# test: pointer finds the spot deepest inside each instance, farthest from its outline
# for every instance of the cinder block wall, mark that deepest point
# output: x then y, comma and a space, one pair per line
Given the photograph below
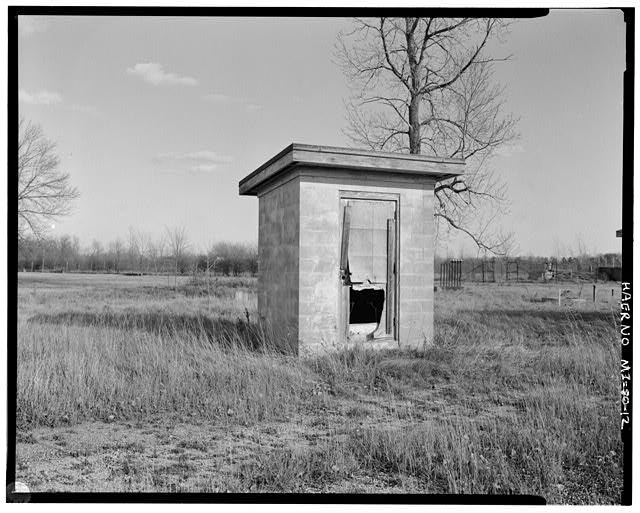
416, 267
278, 243
319, 257
319, 265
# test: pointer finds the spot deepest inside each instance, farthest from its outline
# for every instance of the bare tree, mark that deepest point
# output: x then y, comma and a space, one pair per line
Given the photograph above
133, 246
116, 248
146, 240
178, 244
47, 247
156, 251
94, 252
425, 86
138, 243
44, 191
510, 250
66, 250
28, 252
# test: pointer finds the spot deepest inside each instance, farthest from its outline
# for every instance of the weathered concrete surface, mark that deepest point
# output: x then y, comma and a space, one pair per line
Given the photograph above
376, 164
278, 255
300, 192
320, 224
319, 299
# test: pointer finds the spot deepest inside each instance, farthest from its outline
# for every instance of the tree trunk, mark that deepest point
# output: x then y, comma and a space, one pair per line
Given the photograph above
414, 125
414, 105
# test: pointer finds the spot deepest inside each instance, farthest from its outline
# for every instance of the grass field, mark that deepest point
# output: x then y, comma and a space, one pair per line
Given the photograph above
132, 384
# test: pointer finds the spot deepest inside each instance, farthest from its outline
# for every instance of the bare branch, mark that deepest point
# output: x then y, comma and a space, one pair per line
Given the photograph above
425, 85
44, 192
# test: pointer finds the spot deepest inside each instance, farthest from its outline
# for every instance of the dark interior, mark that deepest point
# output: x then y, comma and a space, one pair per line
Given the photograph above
366, 305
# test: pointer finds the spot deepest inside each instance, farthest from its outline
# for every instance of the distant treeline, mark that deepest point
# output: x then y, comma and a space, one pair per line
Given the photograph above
533, 268
169, 254
172, 254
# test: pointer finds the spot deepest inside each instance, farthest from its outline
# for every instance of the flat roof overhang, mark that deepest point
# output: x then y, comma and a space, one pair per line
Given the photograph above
371, 162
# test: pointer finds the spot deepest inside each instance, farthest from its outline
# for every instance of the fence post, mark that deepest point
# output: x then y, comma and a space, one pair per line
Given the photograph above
452, 265
455, 273
594, 293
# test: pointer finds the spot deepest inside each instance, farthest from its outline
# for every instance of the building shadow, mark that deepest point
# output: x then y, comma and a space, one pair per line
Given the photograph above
224, 332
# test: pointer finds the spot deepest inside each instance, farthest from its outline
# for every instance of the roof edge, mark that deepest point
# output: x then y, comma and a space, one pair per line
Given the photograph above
313, 155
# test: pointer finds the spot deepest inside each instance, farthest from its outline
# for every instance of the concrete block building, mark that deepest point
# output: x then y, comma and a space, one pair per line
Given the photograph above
346, 246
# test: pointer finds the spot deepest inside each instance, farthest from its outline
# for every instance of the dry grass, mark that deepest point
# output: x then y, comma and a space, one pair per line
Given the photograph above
516, 395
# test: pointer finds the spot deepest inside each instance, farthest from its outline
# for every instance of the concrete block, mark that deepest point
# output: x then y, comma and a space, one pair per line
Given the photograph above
300, 217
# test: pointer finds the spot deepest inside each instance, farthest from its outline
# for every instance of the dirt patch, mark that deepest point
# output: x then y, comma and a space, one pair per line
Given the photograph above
164, 454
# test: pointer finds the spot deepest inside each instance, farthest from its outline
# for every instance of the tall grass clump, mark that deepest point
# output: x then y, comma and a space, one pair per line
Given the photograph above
512, 396
67, 373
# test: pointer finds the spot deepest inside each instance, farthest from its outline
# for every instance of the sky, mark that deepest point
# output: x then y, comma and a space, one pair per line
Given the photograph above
157, 119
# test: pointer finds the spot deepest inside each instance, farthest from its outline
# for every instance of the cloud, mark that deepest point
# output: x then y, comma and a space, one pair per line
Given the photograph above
89, 110
203, 161
194, 156
155, 74
50, 98
28, 25
247, 103
203, 168
39, 98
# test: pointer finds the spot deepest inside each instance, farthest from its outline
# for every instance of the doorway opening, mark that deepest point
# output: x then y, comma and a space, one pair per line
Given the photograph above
368, 267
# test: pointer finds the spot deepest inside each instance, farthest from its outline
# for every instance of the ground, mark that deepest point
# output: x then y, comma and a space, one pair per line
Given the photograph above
154, 384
